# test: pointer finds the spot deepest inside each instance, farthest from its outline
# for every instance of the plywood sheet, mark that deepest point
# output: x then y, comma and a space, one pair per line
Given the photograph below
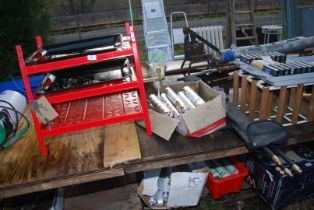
121, 144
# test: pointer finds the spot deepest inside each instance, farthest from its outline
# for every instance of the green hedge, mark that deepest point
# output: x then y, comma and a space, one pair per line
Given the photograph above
20, 21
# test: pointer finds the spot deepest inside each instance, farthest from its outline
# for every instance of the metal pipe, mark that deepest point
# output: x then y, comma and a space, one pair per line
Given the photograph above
202, 69
131, 12
285, 46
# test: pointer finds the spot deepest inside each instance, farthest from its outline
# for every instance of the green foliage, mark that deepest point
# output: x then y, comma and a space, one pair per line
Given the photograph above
20, 21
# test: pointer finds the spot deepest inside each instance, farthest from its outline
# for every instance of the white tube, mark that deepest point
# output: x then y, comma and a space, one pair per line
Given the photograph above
174, 98
169, 105
160, 106
194, 97
186, 101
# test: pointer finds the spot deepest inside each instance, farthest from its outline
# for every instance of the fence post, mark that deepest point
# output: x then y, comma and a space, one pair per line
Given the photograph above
77, 20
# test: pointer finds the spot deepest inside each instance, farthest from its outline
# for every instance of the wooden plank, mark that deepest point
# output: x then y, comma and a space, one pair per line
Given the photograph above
270, 104
185, 159
310, 114
264, 104
156, 155
282, 103
252, 98
52, 183
121, 144
244, 88
235, 88
258, 98
300, 133
297, 104
155, 148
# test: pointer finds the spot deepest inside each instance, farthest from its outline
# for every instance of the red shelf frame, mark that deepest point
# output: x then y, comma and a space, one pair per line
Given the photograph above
81, 97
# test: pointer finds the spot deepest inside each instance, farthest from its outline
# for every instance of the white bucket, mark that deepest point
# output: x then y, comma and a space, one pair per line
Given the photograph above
17, 100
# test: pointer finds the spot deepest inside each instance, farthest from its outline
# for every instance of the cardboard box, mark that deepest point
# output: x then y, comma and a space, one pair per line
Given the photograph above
200, 121
278, 191
185, 189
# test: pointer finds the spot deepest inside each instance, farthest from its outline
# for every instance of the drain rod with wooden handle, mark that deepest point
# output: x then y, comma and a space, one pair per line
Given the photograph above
258, 134
272, 156
294, 166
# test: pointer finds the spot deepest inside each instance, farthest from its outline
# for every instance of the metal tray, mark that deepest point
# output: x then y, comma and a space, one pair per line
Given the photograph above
75, 48
86, 75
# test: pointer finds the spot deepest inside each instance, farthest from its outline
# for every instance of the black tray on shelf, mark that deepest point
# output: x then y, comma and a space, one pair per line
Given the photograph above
75, 48
85, 75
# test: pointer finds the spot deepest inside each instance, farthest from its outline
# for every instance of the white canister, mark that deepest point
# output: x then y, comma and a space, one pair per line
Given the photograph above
17, 100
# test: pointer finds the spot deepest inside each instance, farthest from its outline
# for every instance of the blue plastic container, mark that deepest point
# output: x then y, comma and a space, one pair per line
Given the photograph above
18, 85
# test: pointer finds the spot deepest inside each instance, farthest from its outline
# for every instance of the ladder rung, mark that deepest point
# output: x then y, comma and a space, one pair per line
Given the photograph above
246, 38
244, 12
244, 25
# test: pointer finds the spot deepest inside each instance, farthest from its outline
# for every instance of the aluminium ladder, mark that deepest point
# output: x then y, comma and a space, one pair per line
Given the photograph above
156, 33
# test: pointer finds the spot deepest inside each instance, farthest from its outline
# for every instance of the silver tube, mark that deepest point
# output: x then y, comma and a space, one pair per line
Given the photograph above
160, 106
160, 200
186, 100
174, 98
168, 103
152, 200
166, 189
159, 194
194, 97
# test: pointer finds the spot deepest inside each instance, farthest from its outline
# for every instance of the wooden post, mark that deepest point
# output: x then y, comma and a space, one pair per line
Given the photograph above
269, 104
297, 104
235, 88
264, 104
282, 104
253, 98
244, 85
310, 115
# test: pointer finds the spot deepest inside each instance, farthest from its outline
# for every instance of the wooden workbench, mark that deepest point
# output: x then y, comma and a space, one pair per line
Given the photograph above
79, 157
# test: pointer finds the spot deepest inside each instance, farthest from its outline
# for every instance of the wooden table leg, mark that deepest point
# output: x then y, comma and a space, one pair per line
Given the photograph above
244, 85
264, 104
282, 104
310, 115
297, 104
253, 98
235, 88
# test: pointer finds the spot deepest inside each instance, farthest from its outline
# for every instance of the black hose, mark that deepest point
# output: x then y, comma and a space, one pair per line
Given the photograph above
16, 113
16, 116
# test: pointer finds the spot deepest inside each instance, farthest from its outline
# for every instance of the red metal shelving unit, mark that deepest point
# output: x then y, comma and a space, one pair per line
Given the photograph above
92, 106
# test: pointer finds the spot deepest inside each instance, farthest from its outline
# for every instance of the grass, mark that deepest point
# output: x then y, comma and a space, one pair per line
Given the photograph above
142, 49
